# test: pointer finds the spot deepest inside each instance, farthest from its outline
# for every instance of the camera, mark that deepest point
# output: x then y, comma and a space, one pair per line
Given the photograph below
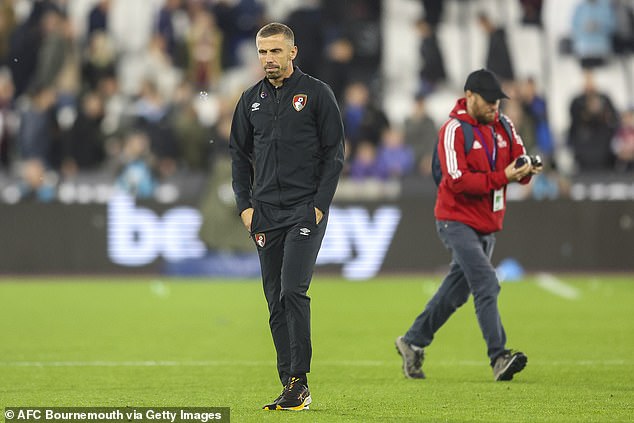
535, 161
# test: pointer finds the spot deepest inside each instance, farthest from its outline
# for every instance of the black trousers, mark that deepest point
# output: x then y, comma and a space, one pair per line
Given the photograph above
287, 259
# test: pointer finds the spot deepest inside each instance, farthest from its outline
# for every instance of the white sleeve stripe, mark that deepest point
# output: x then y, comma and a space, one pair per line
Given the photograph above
515, 134
451, 158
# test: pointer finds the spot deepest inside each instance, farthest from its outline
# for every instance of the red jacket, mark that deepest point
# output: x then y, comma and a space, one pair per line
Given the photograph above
465, 193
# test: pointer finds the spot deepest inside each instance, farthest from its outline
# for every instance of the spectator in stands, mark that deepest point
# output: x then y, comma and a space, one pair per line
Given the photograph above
498, 59
623, 141
194, 141
151, 110
358, 22
98, 17
157, 66
421, 134
364, 163
24, 46
136, 176
84, 145
204, 47
532, 12
527, 110
55, 48
308, 26
536, 112
115, 106
394, 159
7, 26
59, 64
513, 109
545, 185
362, 119
38, 127
432, 70
36, 181
433, 12
593, 123
36, 140
98, 60
171, 24
593, 26
8, 118
623, 41
336, 67
238, 21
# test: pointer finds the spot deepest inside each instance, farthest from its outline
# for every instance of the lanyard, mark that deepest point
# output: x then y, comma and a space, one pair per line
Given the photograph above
492, 157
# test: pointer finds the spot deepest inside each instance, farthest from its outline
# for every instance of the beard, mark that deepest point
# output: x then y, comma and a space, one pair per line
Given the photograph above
484, 121
485, 118
274, 72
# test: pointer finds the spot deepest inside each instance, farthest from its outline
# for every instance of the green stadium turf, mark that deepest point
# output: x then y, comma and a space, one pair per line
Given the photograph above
186, 342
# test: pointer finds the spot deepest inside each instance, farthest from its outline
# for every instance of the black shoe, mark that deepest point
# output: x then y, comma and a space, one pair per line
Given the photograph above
295, 397
508, 364
273, 405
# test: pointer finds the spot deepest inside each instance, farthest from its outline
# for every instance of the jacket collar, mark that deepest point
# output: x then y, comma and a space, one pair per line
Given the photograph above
460, 112
297, 73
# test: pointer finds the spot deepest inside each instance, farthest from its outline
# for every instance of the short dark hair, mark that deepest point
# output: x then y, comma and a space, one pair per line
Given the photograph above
275, 28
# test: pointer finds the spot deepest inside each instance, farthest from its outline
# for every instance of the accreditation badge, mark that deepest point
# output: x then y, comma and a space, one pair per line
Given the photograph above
498, 199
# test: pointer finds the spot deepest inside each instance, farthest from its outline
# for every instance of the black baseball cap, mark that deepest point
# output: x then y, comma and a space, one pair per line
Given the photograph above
486, 84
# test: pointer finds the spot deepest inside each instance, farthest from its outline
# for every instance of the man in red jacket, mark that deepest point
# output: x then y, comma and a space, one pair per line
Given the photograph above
469, 210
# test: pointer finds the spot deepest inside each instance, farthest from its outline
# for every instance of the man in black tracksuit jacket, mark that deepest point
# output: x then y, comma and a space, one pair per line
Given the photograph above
287, 145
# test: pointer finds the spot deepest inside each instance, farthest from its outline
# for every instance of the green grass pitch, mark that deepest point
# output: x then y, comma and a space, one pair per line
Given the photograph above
185, 342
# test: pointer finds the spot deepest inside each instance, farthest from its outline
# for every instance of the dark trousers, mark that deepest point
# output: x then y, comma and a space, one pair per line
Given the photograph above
287, 261
471, 272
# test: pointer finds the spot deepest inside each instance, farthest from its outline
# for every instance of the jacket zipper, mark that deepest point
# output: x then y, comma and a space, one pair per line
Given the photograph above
277, 133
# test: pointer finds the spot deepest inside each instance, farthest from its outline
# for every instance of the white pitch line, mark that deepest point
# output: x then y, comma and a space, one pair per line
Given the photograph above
343, 363
148, 363
168, 363
557, 287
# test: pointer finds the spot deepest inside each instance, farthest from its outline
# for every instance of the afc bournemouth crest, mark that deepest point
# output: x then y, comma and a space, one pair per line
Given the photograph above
260, 239
299, 101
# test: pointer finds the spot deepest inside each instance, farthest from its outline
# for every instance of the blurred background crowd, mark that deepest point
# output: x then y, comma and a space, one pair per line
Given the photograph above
97, 95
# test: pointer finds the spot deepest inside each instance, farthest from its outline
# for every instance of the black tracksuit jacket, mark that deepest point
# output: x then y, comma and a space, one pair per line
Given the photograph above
287, 146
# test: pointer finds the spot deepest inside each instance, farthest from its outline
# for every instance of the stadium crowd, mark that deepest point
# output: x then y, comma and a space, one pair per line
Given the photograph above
136, 94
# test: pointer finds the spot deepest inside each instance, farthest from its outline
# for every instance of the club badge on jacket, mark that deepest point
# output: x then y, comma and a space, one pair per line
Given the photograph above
299, 101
